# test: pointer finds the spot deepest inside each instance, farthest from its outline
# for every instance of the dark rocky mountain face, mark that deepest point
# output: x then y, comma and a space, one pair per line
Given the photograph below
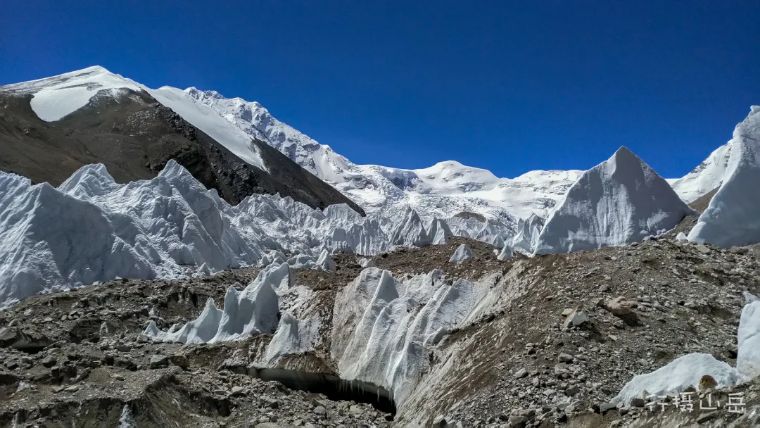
134, 136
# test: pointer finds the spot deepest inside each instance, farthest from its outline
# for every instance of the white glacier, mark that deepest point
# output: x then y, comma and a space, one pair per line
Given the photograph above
92, 229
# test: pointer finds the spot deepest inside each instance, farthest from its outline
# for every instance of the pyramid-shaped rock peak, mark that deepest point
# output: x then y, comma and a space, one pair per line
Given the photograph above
620, 201
731, 218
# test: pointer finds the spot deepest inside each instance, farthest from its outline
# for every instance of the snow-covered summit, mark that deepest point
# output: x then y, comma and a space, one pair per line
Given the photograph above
619, 201
58, 96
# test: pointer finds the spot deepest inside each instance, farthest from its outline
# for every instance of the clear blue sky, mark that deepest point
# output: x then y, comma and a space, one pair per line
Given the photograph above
508, 86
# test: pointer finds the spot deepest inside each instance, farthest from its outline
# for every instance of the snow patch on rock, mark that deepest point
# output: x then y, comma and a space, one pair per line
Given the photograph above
677, 376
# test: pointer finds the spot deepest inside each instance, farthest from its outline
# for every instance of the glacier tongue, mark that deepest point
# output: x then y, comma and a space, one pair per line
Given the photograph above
620, 201
731, 217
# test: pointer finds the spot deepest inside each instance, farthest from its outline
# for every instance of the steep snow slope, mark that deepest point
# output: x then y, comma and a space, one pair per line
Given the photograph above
731, 218
617, 202
441, 190
211, 123
706, 177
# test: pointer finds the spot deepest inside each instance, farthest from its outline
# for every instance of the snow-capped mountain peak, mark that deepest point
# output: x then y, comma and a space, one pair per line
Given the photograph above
442, 190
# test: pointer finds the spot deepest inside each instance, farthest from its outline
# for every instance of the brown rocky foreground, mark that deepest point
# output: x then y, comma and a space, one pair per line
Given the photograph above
562, 335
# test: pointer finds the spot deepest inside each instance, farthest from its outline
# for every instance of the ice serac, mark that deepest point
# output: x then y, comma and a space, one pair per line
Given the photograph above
52, 241
94, 229
528, 231
439, 232
620, 201
731, 217
254, 310
293, 336
411, 231
748, 355
461, 254
325, 261
383, 329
